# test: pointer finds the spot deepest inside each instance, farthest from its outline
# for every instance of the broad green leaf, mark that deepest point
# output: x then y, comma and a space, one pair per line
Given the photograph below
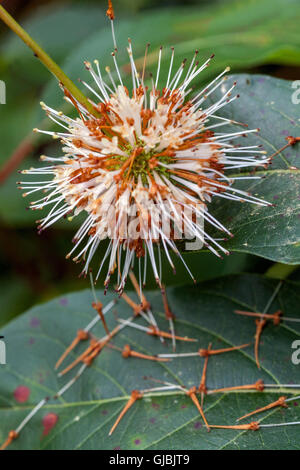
240, 34
167, 421
271, 232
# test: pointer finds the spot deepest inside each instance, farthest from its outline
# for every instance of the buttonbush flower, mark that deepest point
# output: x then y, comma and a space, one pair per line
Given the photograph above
147, 166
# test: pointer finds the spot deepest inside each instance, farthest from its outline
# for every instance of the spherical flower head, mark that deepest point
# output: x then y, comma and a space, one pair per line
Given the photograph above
144, 167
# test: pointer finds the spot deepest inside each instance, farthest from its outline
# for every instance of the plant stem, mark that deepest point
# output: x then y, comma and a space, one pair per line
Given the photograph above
281, 271
23, 149
47, 61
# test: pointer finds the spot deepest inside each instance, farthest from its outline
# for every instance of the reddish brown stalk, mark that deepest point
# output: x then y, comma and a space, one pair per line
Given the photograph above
212, 352
135, 395
23, 149
279, 402
81, 336
192, 394
13, 435
128, 352
98, 307
277, 317
259, 386
253, 426
260, 324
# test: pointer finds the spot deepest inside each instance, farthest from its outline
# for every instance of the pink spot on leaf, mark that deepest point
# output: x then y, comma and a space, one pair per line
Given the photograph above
21, 394
49, 421
35, 322
197, 425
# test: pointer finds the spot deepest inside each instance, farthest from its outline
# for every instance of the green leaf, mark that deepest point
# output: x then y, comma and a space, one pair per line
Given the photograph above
58, 30
167, 421
240, 34
270, 232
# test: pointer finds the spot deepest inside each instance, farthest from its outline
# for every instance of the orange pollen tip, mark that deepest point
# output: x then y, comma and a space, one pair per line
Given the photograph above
136, 394
202, 389
12, 435
204, 352
192, 391
292, 140
82, 335
110, 11
126, 351
259, 385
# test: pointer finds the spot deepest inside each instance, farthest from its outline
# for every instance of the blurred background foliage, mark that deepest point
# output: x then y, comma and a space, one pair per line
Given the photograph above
254, 36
